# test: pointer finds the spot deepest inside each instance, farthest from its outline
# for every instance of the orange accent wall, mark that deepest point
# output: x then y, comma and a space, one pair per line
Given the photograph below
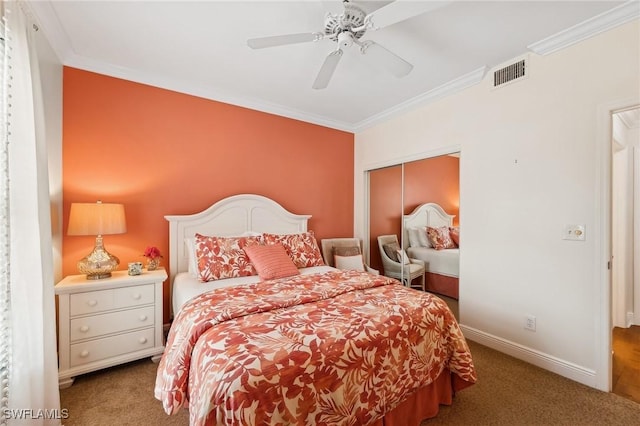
164, 153
433, 180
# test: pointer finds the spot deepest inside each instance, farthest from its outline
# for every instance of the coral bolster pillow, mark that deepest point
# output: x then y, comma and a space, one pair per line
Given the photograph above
271, 261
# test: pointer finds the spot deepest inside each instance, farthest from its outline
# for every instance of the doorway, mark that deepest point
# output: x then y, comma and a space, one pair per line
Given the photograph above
625, 252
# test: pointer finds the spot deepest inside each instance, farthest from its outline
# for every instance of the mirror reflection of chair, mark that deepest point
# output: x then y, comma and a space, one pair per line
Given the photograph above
405, 272
345, 247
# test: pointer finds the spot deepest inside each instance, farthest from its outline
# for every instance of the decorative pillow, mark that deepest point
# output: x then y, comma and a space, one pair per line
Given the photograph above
354, 262
391, 250
454, 233
403, 257
224, 257
346, 251
271, 261
414, 240
422, 237
440, 238
302, 248
190, 247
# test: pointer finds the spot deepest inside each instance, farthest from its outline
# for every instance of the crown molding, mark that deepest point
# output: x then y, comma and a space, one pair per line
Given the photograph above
202, 91
48, 21
453, 86
56, 35
605, 21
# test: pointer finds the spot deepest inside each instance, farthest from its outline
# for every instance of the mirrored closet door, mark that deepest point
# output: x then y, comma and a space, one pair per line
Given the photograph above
385, 207
430, 189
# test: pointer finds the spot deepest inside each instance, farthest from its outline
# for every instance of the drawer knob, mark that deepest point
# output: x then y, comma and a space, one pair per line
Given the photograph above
137, 296
84, 354
143, 340
84, 328
92, 302
143, 317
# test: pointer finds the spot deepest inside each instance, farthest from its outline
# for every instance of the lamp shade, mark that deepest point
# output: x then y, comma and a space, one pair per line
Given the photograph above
96, 219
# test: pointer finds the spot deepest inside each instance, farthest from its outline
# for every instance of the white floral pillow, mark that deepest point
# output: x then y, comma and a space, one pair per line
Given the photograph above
224, 257
440, 238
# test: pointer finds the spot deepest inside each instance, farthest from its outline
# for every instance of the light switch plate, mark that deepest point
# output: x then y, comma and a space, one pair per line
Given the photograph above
574, 232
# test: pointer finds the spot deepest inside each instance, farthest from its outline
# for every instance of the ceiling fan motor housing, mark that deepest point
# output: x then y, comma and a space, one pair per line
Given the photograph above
338, 27
345, 39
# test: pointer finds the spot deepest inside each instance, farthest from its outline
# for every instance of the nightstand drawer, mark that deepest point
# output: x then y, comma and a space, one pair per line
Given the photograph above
104, 300
93, 301
98, 325
133, 296
95, 350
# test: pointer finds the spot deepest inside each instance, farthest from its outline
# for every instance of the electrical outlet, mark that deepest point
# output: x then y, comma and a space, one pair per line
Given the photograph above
530, 323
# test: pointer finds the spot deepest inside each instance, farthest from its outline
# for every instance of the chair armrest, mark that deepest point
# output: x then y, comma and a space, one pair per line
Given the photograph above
371, 270
391, 265
418, 261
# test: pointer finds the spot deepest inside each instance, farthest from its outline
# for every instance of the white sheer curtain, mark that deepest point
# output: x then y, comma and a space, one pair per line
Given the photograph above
32, 396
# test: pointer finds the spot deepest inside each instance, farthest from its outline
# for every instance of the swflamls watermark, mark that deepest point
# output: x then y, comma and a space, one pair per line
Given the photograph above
31, 414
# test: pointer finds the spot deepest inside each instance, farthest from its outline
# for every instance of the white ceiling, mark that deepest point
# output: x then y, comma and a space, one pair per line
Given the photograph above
200, 48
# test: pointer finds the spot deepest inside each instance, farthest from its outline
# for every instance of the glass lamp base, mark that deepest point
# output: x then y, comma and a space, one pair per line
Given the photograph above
99, 263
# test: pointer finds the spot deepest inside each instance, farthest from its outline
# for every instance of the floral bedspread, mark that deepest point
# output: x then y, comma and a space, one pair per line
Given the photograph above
338, 348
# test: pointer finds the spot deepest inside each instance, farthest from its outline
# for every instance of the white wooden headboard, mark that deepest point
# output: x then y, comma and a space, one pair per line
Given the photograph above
230, 216
428, 214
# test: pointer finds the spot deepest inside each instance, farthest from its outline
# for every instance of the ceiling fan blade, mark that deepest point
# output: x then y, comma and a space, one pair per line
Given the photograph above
328, 67
386, 59
262, 42
400, 10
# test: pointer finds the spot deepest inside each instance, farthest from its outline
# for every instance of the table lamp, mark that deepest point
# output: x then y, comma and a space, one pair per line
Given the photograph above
97, 219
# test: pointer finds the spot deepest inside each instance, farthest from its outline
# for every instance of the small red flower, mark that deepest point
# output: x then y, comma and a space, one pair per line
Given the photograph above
152, 253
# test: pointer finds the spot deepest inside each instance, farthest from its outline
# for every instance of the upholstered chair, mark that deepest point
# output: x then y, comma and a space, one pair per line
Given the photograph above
405, 272
328, 250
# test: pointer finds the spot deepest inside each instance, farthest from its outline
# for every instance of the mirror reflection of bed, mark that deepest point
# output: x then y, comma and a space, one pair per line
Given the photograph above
431, 237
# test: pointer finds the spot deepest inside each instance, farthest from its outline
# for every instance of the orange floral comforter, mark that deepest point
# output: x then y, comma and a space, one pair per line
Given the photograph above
338, 348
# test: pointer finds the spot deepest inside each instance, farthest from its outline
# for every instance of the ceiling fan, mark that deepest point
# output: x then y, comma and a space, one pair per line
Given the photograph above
347, 28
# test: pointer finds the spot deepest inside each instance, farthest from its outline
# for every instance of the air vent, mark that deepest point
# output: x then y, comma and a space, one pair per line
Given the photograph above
509, 73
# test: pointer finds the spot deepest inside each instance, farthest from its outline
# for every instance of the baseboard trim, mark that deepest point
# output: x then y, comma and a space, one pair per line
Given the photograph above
630, 318
564, 368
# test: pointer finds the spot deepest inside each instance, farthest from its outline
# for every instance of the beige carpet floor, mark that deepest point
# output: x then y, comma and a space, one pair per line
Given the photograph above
508, 392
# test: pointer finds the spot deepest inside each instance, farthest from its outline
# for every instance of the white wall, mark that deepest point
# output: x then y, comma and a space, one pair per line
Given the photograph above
529, 165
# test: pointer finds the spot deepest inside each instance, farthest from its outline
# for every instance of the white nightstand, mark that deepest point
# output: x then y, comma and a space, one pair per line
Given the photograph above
102, 323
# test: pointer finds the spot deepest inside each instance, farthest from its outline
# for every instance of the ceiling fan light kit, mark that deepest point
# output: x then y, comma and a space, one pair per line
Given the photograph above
347, 28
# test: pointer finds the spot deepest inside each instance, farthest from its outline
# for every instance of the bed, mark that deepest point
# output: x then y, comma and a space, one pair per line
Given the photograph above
442, 266
323, 346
